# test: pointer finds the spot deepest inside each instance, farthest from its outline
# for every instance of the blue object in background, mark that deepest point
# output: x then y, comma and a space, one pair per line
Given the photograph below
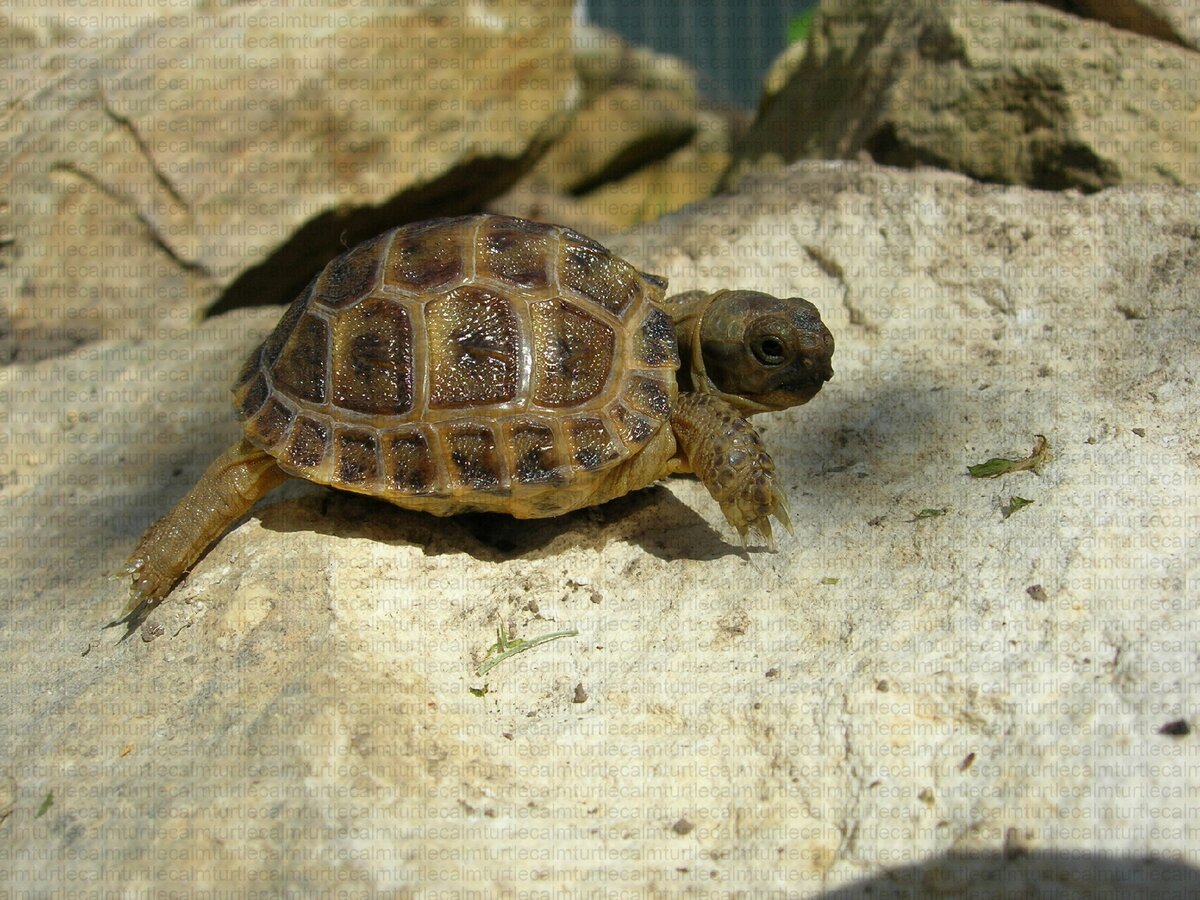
731, 43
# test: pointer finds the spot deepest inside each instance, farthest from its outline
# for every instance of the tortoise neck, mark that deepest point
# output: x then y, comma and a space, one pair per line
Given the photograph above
686, 311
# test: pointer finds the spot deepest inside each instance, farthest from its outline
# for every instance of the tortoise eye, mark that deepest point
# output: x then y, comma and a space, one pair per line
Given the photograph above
769, 350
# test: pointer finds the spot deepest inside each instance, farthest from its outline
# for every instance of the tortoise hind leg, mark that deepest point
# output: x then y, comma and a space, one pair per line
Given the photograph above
728, 456
224, 493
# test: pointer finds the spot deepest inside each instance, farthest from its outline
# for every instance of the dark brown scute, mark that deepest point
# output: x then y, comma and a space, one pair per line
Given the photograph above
649, 397
656, 286
275, 340
655, 343
537, 457
357, 459
353, 275
573, 354
428, 257
592, 444
251, 391
308, 444
269, 426
408, 462
474, 462
372, 358
634, 428
593, 273
250, 369
514, 251
474, 349
300, 369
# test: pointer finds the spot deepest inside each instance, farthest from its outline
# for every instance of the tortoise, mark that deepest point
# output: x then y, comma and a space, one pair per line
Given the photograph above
488, 363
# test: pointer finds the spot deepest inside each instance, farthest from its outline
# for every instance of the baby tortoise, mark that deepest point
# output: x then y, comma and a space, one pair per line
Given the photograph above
486, 363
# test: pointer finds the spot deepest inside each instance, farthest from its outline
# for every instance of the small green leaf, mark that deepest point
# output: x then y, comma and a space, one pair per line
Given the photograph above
990, 469
46, 804
930, 513
1014, 504
829, 580
996, 466
506, 647
799, 26
479, 692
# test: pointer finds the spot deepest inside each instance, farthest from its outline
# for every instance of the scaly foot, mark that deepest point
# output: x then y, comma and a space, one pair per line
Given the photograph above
726, 453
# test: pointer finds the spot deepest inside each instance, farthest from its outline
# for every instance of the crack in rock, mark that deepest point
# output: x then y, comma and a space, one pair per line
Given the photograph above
834, 270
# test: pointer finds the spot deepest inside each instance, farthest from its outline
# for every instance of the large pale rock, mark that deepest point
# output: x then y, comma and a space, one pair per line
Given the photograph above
219, 159
643, 142
603, 60
898, 702
1008, 92
1177, 21
619, 131
30, 26
652, 189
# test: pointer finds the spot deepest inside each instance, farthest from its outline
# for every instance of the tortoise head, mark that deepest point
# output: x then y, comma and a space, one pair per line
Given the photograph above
759, 352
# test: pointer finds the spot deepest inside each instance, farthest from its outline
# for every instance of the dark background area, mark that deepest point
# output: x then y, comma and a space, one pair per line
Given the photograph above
730, 43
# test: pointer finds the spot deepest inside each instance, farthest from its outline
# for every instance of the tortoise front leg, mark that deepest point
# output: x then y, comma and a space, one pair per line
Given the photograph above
226, 491
728, 456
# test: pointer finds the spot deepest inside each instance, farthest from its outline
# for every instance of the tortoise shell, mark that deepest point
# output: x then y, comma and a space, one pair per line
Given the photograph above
461, 357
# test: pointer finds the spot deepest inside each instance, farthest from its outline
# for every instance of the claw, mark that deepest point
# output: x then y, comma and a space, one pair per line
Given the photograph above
752, 519
765, 529
781, 511
145, 583
127, 568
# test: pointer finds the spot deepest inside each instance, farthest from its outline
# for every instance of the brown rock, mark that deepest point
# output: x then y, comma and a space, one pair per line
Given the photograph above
218, 160
1012, 93
618, 132
687, 175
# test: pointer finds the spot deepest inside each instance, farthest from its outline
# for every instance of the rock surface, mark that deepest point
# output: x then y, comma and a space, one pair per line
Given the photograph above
925, 690
223, 157
1016, 93
642, 143
1177, 21
617, 133
32, 26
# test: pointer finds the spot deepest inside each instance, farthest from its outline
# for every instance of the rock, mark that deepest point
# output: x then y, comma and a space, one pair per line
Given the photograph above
309, 710
617, 133
656, 189
642, 144
780, 73
603, 60
17, 37
219, 159
1014, 93
78, 26
689, 174
1177, 21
